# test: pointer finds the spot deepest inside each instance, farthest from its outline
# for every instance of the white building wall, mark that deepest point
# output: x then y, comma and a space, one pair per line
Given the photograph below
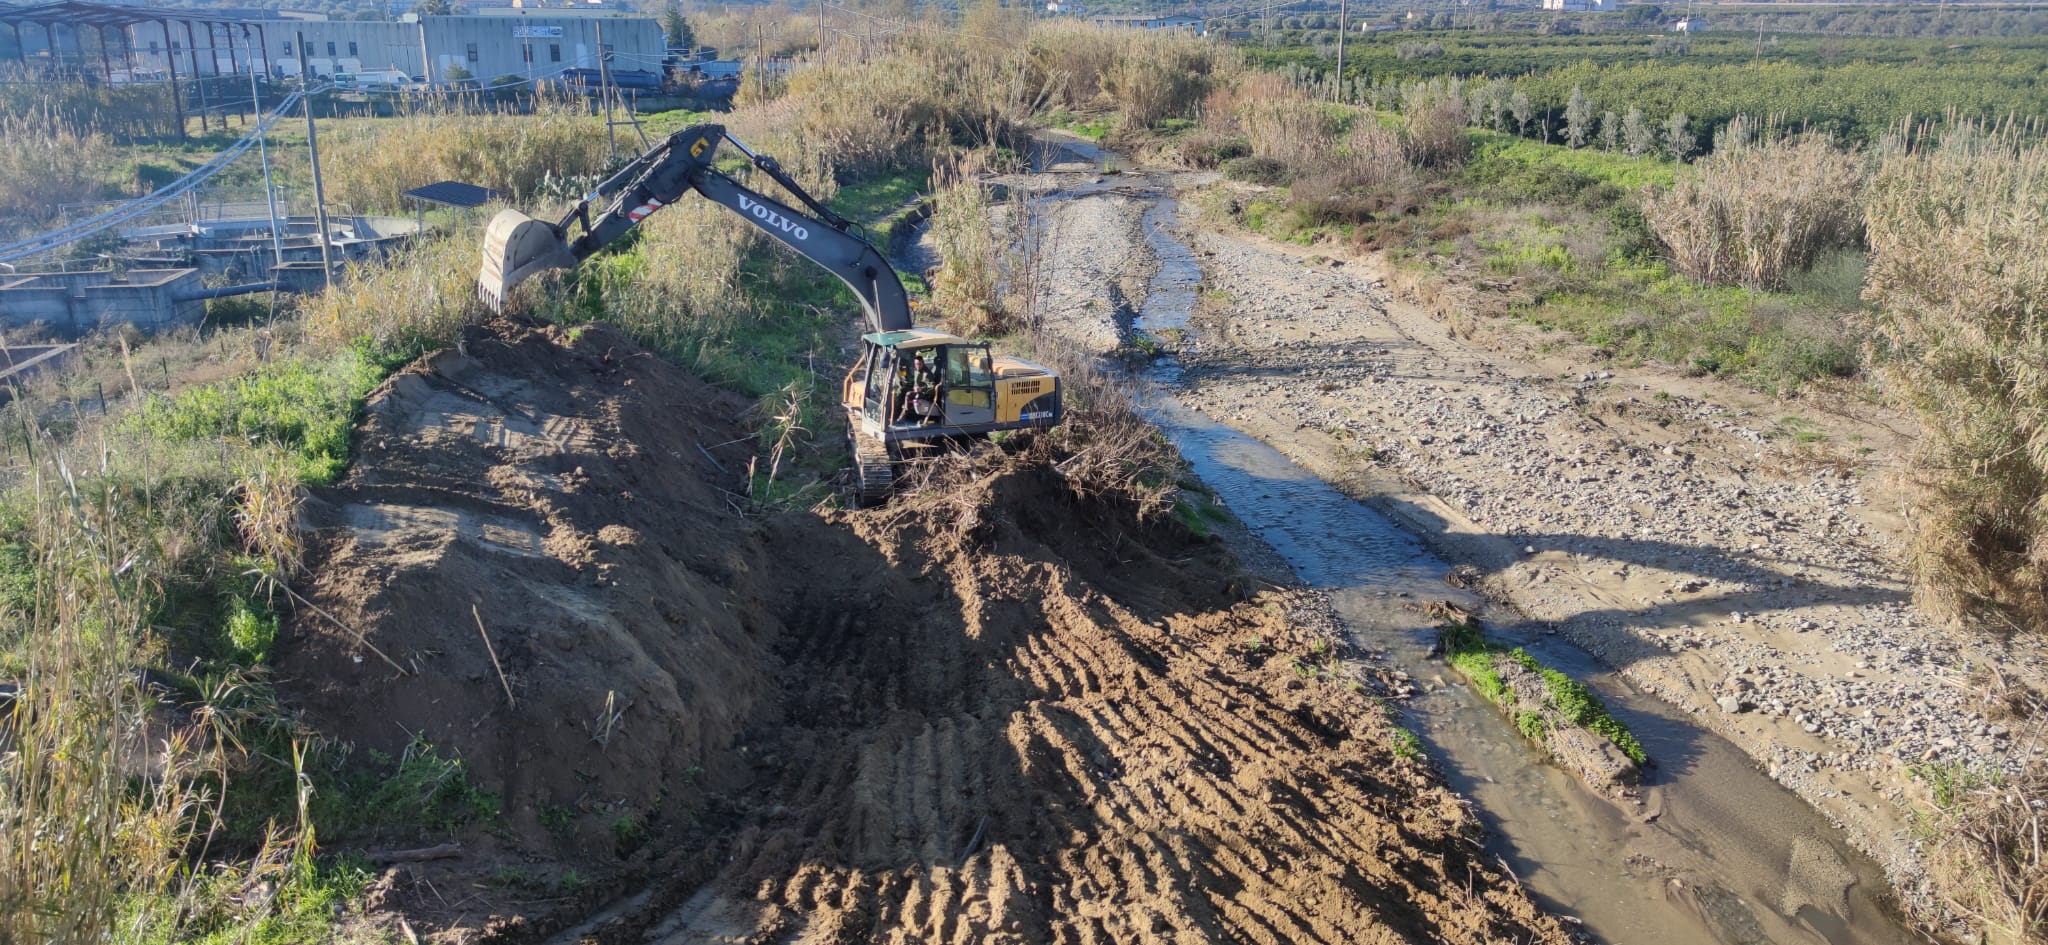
486, 46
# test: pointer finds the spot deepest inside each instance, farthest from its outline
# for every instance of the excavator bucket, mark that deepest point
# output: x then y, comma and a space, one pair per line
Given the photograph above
517, 246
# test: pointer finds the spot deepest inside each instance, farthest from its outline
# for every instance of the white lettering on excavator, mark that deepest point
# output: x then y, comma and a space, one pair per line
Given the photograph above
776, 220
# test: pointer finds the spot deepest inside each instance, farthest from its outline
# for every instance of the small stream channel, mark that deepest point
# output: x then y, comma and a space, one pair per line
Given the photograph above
1716, 854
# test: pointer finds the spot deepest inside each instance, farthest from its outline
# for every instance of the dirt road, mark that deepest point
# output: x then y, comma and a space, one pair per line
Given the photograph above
1737, 555
986, 713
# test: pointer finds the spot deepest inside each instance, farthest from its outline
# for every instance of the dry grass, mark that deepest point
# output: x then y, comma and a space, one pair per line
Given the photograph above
44, 164
1281, 121
967, 288
422, 298
1959, 274
110, 791
1985, 853
1754, 216
125, 112
369, 164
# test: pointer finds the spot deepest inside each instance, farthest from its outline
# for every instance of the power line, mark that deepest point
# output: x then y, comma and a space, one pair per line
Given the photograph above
44, 242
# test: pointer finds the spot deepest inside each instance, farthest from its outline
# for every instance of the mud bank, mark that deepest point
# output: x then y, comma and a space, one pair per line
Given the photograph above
992, 712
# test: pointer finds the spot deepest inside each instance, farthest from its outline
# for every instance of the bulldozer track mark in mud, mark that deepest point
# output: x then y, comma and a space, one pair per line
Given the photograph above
1010, 716
1107, 779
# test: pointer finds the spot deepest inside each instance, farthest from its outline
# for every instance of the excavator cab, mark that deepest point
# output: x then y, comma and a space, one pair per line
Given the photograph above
918, 385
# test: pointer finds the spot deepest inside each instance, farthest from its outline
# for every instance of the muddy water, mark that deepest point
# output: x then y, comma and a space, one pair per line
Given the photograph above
1715, 854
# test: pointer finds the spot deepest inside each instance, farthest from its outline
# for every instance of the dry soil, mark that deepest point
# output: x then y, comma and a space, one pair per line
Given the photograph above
989, 712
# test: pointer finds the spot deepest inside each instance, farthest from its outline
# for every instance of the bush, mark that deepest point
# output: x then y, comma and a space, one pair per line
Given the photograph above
1436, 135
1959, 275
1753, 216
1163, 75
1256, 170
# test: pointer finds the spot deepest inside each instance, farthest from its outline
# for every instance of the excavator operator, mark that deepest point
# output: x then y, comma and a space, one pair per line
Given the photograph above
921, 393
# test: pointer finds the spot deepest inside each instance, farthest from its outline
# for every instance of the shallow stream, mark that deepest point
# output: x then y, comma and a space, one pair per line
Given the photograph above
1716, 853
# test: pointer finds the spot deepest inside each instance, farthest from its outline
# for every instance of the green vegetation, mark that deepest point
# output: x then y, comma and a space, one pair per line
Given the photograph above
1853, 87
1467, 650
308, 408
1407, 744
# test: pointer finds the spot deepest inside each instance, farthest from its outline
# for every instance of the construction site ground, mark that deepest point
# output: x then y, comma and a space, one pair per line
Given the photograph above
992, 712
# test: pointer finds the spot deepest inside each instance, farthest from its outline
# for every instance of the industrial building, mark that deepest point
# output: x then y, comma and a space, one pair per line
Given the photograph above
434, 48
124, 44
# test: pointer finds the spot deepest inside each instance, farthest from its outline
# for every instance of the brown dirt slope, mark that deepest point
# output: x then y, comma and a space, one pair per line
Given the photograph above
548, 483
988, 712
980, 742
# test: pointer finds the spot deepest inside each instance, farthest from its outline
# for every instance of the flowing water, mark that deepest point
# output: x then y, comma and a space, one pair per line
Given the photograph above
1716, 854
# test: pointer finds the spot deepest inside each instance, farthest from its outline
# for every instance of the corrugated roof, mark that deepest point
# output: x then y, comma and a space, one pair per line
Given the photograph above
453, 193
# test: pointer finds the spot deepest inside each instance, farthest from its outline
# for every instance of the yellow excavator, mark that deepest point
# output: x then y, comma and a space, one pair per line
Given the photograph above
912, 386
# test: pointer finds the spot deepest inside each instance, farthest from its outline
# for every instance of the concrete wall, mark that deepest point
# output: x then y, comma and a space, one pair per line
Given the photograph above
78, 302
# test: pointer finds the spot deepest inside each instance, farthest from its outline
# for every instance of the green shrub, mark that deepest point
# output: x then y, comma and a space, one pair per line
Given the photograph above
250, 629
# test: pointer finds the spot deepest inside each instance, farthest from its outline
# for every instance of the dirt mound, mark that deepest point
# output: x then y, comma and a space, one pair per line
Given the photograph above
988, 713
979, 744
542, 488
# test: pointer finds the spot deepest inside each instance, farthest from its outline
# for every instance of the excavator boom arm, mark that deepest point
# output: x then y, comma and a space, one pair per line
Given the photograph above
517, 247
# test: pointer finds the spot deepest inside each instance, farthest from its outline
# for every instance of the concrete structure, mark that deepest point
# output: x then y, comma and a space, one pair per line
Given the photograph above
1170, 21
1575, 6
241, 250
78, 302
529, 44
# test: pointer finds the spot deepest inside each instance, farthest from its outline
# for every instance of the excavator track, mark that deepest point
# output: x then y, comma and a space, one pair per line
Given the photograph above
874, 470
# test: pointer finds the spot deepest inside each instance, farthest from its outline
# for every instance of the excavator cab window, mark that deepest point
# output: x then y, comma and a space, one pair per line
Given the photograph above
970, 385
968, 367
876, 400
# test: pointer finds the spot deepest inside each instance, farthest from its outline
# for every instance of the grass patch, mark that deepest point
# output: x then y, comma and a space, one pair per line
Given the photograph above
306, 898
869, 199
1093, 128
1407, 745
1467, 650
306, 407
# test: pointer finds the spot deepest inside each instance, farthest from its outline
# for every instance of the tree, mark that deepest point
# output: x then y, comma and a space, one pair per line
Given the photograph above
1610, 129
1642, 14
1523, 109
434, 8
1637, 137
677, 28
1497, 103
1578, 118
1678, 137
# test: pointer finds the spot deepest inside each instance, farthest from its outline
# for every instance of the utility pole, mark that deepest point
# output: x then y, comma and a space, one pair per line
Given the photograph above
604, 88
313, 146
1343, 27
263, 151
426, 62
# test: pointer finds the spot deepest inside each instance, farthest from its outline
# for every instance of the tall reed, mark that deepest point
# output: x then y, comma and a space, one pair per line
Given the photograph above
1959, 275
45, 164
1754, 216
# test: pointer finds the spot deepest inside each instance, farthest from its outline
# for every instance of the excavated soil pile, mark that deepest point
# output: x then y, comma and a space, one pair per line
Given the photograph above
536, 502
986, 713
